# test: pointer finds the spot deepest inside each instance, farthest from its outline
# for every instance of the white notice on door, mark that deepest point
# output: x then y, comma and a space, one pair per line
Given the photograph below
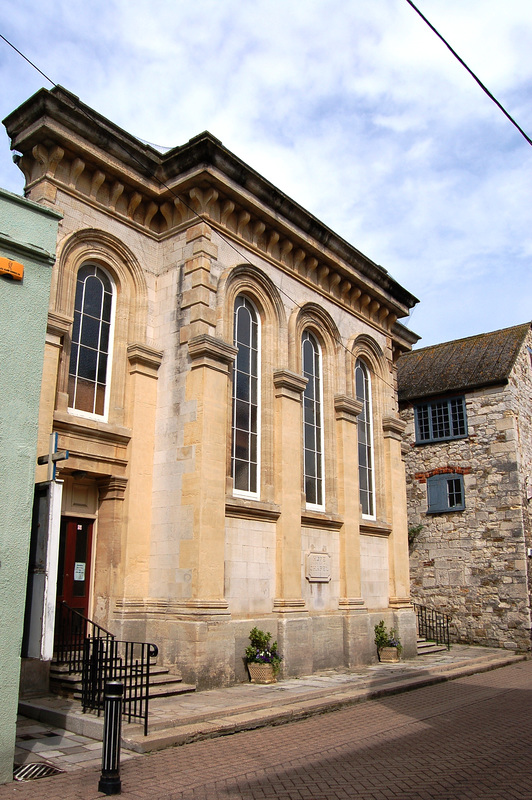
79, 571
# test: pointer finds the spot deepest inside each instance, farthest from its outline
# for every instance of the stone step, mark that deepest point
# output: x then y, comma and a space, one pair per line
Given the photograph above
426, 647
163, 683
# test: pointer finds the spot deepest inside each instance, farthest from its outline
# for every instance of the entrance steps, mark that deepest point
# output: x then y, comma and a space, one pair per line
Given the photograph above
426, 647
163, 683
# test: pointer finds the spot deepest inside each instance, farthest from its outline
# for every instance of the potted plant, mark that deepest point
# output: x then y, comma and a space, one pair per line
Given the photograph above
388, 644
262, 658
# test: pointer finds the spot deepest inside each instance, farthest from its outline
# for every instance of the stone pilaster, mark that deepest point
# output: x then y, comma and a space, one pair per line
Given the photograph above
294, 626
351, 602
144, 363
399, 571
288, 481
347, 410
109, 547
208, 384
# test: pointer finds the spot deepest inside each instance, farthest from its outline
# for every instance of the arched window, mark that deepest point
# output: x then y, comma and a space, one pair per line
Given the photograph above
312, 421
90, 354
246, 404
366, 475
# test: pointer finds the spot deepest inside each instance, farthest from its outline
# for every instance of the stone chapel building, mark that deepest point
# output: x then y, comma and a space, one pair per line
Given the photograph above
221, 368
467, 406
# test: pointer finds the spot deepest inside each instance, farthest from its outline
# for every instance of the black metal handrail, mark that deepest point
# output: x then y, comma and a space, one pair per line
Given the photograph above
82, 645
114, 660
71, 630
433, 625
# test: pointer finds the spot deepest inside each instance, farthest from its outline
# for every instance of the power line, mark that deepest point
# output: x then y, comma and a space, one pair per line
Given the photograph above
462, 62
27, 59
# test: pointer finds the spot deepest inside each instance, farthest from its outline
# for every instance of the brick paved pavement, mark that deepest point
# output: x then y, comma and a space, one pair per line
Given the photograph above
469, 738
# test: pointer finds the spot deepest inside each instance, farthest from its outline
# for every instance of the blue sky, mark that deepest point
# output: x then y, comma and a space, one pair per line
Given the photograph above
355, 110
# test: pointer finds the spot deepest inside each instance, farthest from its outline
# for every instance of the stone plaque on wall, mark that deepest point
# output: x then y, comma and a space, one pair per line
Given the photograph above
318, 567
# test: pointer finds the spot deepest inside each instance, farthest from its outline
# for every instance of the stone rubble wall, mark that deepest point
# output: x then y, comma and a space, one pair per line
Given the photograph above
473, 564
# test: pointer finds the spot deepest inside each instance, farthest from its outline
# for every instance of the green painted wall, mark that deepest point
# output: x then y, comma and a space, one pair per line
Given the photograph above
28, 234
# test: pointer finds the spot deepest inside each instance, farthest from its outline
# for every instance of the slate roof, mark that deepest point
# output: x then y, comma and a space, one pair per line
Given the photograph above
464, 364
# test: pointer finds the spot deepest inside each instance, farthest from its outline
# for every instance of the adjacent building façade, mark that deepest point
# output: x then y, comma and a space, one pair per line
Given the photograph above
467, 406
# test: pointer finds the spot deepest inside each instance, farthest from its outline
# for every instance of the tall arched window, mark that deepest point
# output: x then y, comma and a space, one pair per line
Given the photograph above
366, 475
90, 354
312, 421
246, 403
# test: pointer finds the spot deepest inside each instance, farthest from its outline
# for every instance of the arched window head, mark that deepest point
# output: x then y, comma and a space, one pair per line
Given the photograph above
366, 476
312, 421
246, 399
90, 353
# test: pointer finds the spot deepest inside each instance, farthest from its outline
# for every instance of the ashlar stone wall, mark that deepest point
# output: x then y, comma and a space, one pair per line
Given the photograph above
473, 564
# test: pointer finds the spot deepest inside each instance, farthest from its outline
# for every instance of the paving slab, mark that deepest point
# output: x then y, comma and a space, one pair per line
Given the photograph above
219, 712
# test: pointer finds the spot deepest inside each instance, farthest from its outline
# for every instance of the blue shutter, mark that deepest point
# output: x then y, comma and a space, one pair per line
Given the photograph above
438, 494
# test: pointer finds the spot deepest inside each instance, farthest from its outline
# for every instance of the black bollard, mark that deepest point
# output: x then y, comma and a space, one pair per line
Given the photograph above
112, 728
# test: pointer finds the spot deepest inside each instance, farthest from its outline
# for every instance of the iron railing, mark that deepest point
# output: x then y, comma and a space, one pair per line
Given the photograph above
433, 625
83, 646
114, 660
71, 630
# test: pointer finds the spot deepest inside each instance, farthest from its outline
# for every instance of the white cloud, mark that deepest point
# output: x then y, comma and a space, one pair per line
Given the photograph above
357, 111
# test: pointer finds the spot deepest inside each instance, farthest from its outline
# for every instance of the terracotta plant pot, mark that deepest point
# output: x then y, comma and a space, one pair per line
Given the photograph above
389, 655
261, 673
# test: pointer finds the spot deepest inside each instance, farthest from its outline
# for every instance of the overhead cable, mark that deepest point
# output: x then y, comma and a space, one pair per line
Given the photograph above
462, 62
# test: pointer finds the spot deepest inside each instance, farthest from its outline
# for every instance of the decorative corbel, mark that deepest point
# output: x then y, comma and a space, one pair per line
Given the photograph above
116, 192
98, 178
134, 203
76, 168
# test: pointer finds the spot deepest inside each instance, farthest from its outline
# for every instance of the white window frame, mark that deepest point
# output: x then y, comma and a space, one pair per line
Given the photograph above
109, 370
367, 420
250, 493
318, 455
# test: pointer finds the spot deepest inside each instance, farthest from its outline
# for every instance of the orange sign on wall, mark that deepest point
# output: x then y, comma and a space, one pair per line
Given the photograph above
13, 268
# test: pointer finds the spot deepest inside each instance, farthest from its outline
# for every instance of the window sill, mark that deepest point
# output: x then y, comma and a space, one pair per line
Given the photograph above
92, 427
424, 442
242, 508
432, 512
320, 519
369, 528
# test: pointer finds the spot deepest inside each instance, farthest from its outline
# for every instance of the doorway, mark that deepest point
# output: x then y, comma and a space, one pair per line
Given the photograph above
74, 567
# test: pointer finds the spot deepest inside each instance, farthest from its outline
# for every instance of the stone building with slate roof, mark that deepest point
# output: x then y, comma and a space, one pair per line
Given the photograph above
221, 367
467, 406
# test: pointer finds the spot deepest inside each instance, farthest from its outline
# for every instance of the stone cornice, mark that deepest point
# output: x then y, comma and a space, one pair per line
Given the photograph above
144, 359
347, 408
58, 324
207, 351
112, 488
289, 384
393, 428
73, 147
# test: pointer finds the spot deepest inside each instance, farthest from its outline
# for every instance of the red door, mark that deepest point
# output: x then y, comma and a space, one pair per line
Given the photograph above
73, 576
